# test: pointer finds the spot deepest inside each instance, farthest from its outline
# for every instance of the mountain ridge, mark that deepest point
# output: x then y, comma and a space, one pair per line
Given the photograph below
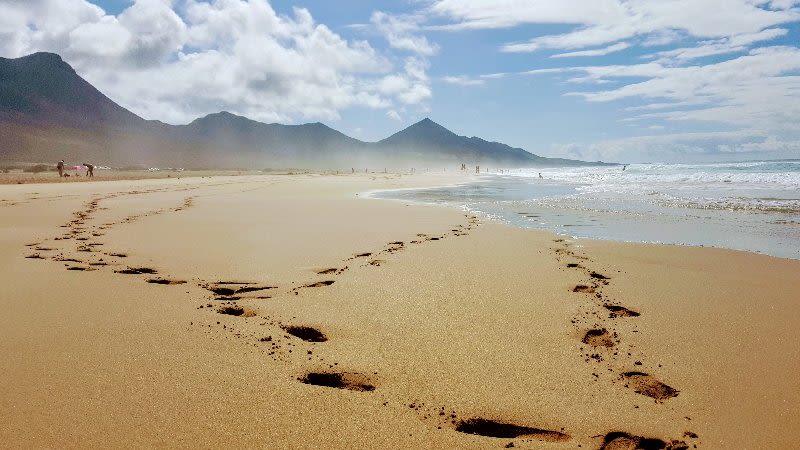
47, 109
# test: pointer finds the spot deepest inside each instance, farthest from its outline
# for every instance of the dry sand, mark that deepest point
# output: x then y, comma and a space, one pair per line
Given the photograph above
431, 325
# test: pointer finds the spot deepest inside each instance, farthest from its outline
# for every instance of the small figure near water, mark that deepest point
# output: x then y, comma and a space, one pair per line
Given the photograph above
89, 169
540, 175
60, 167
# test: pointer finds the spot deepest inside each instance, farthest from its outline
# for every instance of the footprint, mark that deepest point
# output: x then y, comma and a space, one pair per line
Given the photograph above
118, 255
598, 276
618, 440
376, 262
598, 338
246, 289
137, 271
339, 380
582, 288
165, 281
491, 428
219, 290
330, 271
620, 311
234, 310
363, 255
305, 333
320, 284
647, 385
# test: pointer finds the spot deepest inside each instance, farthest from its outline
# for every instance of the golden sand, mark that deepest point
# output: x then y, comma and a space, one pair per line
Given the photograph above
290, 312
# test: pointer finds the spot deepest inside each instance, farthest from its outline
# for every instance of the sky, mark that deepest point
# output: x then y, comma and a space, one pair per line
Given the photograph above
612, 80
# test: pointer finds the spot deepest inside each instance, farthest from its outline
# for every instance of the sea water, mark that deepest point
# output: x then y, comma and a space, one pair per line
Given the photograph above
752, 206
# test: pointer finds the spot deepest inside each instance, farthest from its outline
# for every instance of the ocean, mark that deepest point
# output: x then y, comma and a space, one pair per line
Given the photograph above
752, 206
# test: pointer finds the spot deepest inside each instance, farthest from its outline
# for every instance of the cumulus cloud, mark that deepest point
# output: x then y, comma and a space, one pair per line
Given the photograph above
176, 61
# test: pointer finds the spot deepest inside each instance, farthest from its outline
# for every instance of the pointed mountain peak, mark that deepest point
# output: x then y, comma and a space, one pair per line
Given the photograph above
222, 117
426, 123
426, 126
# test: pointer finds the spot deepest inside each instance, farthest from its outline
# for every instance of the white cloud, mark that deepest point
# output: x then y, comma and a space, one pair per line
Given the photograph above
175, 62
596, 52
754, 89
737, 43
401, 32
392, 114
464, 80
680, 147
602, 22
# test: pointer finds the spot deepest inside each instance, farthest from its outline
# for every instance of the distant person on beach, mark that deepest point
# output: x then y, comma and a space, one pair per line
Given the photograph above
540, 174
60, 167
89, 169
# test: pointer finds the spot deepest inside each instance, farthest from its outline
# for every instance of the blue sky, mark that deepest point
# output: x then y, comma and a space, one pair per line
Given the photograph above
613, 80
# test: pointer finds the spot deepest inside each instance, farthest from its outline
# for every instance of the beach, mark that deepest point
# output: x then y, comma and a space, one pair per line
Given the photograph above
293, 311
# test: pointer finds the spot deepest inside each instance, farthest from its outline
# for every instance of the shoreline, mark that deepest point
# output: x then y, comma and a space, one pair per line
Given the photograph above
508, 218
428, 311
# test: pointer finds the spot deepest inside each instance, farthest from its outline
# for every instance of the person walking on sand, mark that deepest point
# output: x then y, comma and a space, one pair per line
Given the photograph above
60, 167
89, 169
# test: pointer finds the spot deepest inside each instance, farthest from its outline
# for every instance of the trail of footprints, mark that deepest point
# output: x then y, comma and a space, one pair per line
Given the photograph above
290, 340
595, 324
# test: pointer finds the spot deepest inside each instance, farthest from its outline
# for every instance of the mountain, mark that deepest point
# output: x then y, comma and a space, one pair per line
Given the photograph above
43, 88
427, 137
48, 112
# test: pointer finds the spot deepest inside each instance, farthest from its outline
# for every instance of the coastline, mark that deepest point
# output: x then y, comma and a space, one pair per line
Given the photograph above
471, 319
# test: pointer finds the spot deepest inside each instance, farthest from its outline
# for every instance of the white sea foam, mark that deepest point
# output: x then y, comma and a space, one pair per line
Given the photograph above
752, 206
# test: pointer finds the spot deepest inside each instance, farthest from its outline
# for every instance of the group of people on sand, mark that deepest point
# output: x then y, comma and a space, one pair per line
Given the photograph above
61, 173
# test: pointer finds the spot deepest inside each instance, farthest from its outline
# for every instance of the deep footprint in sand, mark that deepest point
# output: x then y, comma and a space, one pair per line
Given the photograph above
618, 440
306, 333
491, 428
620, 311
339, 380
599, 338
246, 289
320, 284
233, 310
647, 385
229, 291
165, 281
137, 271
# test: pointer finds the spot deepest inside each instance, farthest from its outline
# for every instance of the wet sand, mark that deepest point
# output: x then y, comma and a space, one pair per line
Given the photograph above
289, 312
